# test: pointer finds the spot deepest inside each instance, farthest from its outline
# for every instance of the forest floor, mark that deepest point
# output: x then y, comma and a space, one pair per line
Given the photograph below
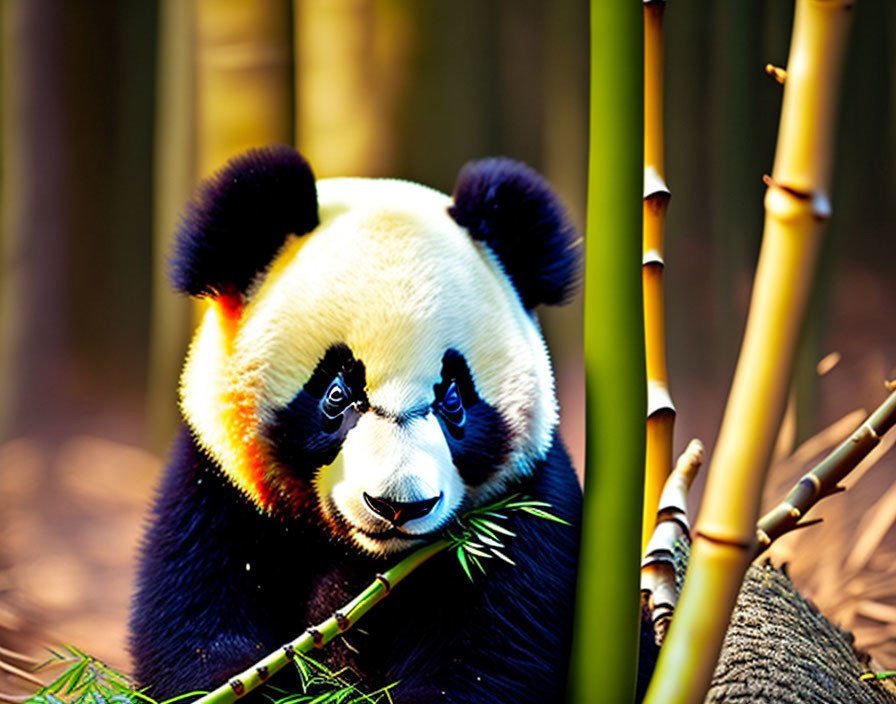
73, 508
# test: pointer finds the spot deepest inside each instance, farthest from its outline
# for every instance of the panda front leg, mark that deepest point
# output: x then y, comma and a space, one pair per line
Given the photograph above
202, 610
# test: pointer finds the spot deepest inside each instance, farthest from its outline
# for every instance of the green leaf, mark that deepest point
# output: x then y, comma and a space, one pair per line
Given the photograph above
475, 561
462, 558
489, 542
475, 551
499, 529
547, 516
502, 556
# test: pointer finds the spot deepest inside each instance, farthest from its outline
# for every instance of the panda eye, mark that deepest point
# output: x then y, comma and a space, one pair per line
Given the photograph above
336, 399
452, 407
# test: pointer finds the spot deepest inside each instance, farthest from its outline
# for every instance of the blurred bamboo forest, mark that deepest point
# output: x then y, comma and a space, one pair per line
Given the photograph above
112, 110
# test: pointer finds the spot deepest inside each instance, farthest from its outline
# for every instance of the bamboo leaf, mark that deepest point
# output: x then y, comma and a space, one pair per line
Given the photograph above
502, 556
547, 516
498, 529
462, 558
475, 551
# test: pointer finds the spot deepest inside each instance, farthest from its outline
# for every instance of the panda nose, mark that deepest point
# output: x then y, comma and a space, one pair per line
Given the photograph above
400, 512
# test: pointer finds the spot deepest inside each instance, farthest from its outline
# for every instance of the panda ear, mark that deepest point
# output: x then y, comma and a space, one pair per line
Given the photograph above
513, 210
239, 218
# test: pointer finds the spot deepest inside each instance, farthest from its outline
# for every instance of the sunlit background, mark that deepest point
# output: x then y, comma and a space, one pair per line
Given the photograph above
111, 112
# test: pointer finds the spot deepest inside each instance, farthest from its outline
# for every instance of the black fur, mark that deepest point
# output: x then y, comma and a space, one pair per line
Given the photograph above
511, 208
301, 436
240, 217
221, 584
481, 445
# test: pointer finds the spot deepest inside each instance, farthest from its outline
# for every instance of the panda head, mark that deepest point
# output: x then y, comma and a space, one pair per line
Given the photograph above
370, 355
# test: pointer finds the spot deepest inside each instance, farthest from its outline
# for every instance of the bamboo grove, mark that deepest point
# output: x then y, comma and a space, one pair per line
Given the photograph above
246, 86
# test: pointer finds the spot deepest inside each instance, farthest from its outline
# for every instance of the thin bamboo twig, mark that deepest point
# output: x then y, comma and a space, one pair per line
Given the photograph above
658, 584
20, 673
797, 206
321, 634
824, 478
660, 409
605, 642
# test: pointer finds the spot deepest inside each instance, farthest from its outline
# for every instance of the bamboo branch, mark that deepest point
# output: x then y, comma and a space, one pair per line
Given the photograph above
321, 634
658, 585
824, 478
660, 409
797, 206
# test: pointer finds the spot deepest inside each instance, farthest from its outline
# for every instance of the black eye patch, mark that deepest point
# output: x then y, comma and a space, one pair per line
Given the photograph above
477, 436
309, 432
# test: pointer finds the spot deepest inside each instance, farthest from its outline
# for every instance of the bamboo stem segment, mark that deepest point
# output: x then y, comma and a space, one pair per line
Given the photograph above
605, 643
321, 634
658, 582
822, 481
796, 208
660, 409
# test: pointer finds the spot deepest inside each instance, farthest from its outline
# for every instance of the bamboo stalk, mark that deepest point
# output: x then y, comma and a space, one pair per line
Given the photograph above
244, 78
174, 174
244, 93
660, 409
824, 478
321, 634
796, 208
605, 642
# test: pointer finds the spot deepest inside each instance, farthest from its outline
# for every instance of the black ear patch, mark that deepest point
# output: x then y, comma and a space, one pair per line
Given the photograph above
240, 217
511, 208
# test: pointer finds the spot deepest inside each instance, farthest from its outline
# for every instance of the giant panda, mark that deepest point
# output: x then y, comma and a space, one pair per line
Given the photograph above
369, 367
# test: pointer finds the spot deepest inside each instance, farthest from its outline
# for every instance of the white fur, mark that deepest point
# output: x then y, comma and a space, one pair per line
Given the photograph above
389, 273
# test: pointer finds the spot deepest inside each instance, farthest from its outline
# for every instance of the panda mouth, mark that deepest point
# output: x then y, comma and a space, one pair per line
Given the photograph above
390, 533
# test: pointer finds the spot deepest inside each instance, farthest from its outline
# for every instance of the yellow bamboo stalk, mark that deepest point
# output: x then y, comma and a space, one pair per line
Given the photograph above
658, 578
244, 80
244, 95
797, 207
351, 57
660, 409
174, 174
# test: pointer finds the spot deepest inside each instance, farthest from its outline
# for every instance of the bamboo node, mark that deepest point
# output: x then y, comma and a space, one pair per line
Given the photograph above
342, 621
776, 72
871, 431
795, 192
731, 542
652, 256
385, 582
813, 481
658, 398
654, 184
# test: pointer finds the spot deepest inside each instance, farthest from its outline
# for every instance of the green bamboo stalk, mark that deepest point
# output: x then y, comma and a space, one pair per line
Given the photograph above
321, 634
823, 479
797, 207
605, 643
